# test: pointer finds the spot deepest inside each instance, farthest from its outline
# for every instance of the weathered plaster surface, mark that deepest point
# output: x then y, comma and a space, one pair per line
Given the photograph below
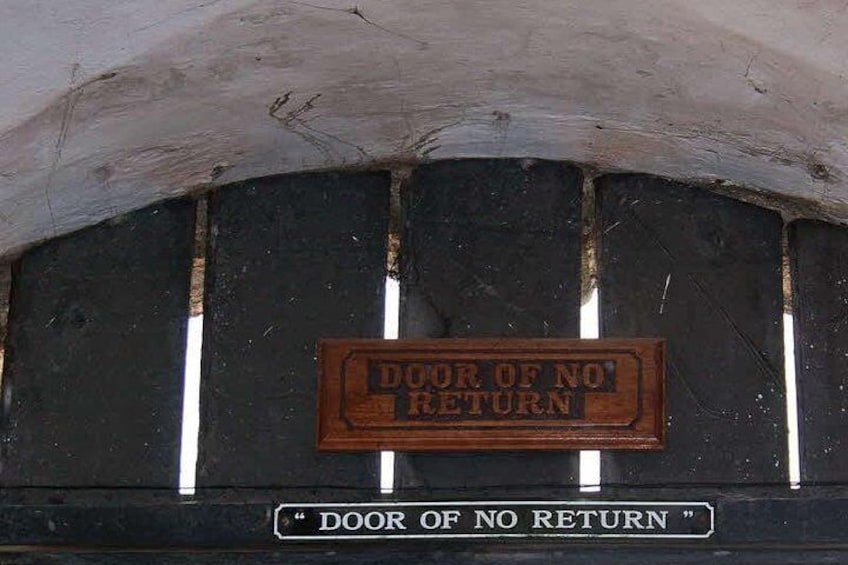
106, 106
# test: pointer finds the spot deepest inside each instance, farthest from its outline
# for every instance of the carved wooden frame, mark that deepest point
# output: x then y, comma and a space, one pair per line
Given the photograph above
353, 417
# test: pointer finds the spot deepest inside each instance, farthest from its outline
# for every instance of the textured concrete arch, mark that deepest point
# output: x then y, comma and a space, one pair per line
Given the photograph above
108, 106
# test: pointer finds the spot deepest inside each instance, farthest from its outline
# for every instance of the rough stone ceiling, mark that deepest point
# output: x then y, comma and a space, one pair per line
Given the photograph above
108, 105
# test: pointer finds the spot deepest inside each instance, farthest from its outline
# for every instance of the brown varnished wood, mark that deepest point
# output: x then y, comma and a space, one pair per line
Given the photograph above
491, 394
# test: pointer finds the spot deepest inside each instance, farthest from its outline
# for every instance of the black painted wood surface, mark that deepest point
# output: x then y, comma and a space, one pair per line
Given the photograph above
766, 519
703, 271
292, 259
529, 556
490, 248
485, 556
819, 254
115, 297
94, 366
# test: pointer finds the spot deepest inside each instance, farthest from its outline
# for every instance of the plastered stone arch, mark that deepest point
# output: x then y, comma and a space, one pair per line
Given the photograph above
108, 106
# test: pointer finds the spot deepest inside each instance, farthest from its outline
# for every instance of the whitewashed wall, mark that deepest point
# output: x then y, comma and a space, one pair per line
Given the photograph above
108, 105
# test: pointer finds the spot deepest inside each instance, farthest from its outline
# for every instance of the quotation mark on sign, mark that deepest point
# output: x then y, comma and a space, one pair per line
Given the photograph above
300, 516
688, 513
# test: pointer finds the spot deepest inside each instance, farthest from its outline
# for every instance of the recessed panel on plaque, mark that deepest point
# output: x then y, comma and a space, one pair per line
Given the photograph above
488, 394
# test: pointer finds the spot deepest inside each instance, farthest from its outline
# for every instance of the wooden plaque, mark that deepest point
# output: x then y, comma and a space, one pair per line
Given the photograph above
488, 394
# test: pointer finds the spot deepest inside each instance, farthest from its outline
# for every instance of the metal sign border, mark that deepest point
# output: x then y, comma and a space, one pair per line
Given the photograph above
710, 508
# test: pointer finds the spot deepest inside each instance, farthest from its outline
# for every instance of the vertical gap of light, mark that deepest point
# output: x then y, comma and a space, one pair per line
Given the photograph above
793, 439
391, 309
590, 461
390, 331
189, 434
792, 436
589, 326
191, 406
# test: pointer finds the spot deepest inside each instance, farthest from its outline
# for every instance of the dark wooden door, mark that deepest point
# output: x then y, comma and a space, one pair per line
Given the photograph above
94, 362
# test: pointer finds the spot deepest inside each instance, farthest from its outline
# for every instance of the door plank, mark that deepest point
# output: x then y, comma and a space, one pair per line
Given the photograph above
490, 248
94, 365
292, 259
819, 254
704, 271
